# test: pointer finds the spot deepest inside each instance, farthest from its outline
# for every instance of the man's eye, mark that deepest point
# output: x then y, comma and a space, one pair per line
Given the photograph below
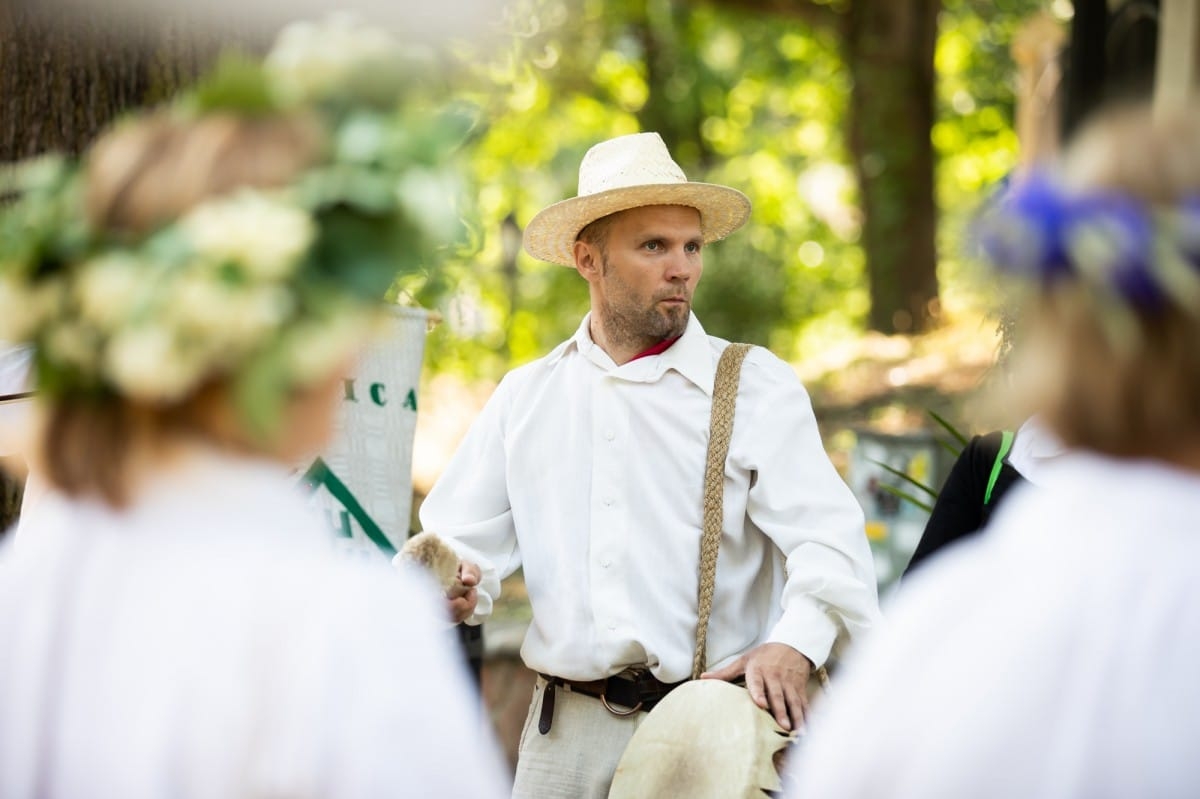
653, 245
693, 247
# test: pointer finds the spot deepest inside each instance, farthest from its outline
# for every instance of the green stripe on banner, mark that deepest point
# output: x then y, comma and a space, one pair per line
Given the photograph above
319, 474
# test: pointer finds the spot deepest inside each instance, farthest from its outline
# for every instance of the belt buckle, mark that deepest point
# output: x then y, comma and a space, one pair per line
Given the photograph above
613, 710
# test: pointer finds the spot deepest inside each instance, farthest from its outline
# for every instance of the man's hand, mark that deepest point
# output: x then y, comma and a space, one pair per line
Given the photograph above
463, 594
777, 678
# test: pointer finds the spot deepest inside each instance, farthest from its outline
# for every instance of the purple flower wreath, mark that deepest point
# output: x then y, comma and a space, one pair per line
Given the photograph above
1146, 255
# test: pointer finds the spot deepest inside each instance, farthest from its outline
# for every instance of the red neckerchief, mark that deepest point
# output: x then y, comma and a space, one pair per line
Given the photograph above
657, 349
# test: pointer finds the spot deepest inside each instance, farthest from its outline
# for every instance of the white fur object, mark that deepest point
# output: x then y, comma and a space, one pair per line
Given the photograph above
432, 553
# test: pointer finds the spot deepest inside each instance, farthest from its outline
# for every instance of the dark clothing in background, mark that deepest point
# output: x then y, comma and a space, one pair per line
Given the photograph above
960, 509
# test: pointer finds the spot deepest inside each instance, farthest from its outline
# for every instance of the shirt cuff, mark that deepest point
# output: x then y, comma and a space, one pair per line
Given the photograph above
807, 628
483, 609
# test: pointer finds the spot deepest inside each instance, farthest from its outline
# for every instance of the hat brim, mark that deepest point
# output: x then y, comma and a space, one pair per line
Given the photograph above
550, 236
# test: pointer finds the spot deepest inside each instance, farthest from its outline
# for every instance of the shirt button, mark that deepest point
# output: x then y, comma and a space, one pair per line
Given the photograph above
608, 501
609, 435
612, 628
606, 563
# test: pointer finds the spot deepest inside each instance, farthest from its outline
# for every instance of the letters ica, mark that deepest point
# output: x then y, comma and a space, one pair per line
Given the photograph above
376, 393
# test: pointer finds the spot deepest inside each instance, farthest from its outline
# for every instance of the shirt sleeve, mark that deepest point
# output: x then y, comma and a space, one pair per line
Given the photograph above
469, 506
801, 503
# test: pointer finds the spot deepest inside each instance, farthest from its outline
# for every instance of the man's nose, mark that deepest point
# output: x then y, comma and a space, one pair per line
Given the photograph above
679, 266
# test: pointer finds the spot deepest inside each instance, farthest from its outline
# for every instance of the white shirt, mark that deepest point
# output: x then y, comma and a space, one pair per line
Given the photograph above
1034, 447
1056, 656
209, 642
591, 476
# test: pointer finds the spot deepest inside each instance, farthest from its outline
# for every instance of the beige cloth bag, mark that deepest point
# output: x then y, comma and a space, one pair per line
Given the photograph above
707, 738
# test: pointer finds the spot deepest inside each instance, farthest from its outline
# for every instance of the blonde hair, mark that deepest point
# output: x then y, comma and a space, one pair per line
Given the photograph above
145, 174
140, 176
1106, 375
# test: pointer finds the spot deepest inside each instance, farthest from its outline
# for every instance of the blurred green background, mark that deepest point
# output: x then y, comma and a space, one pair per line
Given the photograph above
813, 111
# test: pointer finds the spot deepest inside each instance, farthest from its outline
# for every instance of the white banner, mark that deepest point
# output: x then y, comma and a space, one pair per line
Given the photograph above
363, 482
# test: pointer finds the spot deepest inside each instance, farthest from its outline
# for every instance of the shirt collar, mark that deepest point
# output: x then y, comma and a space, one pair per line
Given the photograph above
690, 356
1035, 445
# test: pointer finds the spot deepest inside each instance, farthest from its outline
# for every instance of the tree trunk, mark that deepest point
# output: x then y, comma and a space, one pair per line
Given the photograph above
889, 47
674, 115
64, 75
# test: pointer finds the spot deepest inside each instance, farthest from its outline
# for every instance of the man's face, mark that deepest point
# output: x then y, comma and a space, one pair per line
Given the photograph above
650, 264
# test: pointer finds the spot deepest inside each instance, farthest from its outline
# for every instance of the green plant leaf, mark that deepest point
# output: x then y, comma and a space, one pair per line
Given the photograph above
893, 490
946, 445
949, 428
911, 480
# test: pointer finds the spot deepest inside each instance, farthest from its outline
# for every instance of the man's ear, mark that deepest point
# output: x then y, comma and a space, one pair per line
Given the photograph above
587, 260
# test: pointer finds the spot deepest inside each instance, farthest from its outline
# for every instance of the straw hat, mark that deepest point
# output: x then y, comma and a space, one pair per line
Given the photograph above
706, 740
630, 172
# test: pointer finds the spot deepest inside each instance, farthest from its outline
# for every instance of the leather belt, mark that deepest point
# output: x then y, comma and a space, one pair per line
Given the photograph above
622, 694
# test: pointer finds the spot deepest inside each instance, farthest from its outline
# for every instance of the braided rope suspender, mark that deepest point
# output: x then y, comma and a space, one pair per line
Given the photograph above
724, 401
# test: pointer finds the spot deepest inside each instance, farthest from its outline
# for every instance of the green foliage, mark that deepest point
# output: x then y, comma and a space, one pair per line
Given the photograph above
237, 84
974, 136
752, 100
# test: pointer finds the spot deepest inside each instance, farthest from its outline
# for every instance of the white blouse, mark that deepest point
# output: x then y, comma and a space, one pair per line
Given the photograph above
1056, 656
208, 641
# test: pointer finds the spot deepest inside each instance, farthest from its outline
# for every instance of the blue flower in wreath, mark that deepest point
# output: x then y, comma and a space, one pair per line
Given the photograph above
1110, 239
1023, 233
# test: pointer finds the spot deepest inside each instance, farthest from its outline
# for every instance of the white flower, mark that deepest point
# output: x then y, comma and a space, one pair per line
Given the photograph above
201, 302
428, 195
235, 319
145, 363
362, 138
265, 236
262, 311
340, 57
27, 308
316, 349
18, 314
107, 288
74, 344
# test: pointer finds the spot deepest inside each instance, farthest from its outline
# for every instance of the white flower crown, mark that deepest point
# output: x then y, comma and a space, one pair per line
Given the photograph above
265, 288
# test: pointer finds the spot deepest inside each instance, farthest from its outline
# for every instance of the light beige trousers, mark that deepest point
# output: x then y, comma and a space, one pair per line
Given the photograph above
577, 758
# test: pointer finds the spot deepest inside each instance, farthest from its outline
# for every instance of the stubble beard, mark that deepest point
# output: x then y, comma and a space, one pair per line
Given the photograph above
628, 326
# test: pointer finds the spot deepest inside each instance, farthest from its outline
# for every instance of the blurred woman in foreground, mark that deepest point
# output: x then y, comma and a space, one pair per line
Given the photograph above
1056, 656
173, 620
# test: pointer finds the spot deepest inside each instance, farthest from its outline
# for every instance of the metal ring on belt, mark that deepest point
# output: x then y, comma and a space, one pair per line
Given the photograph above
615, 712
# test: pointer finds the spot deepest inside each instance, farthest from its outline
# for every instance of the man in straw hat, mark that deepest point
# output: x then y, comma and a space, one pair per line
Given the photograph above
587, 468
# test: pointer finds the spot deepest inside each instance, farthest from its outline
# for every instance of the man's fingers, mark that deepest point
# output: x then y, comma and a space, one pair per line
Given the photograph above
462, 607
797, 706
778, 702
754, 684
468, 573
